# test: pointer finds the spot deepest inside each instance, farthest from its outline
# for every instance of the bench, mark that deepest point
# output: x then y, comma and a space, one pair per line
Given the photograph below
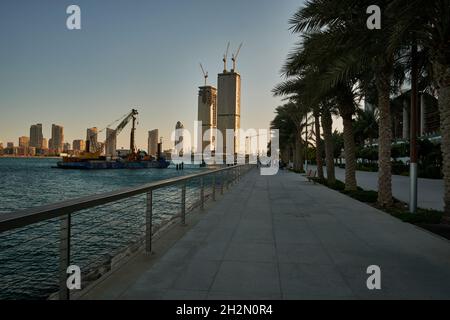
311, 175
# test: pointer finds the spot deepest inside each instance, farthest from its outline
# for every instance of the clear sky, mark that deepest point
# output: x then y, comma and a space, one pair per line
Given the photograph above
134, 53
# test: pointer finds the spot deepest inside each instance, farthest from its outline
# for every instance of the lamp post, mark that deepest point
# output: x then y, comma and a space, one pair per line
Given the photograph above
413, 138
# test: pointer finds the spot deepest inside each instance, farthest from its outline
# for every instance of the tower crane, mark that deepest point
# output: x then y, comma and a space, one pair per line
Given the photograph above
234, 57
205, 74
225, 57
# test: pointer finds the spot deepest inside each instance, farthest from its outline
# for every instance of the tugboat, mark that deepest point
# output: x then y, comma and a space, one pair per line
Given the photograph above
93, 160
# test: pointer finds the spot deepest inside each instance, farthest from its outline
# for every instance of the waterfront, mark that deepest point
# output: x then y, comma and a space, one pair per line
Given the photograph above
29, 256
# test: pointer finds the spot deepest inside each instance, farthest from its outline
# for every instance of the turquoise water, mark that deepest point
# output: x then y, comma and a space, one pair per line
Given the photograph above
29, 257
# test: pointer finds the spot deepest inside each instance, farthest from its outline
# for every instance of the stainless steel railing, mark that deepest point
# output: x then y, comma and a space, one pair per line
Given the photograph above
37, 245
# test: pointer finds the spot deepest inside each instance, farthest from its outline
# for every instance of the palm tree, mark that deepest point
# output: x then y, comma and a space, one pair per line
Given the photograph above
363, 55
366, 125
309, 63
316, 114
428, 24
289, 120
327, 126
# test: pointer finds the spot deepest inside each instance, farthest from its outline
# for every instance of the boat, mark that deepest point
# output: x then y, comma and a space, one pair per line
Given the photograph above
92, 159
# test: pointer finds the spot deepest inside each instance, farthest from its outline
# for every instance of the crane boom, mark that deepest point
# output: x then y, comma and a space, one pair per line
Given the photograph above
225, 57
235, 55
120, 127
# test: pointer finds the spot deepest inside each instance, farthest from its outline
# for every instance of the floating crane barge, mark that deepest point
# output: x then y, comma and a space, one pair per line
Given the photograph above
92, 160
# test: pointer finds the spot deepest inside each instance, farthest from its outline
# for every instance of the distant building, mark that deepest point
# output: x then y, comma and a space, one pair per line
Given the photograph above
153, 139
36, 136
428, 120
57, 141
78, 145
10, 145
24, 142
91, 139
111, 142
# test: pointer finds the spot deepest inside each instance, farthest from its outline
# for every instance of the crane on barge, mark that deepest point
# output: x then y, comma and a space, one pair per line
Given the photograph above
135, 159
97, 151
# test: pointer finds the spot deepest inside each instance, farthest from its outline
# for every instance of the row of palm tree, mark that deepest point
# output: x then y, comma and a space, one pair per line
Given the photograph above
338, 61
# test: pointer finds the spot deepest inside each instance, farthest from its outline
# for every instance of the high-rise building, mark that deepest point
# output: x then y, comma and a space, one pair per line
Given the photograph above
24, 142
57, 141
229, 107
78, 145
207, 114
36, 136
111, 142
153, 137
91, 139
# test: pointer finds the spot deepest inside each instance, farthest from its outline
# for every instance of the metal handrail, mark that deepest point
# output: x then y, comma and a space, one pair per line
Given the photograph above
22, 218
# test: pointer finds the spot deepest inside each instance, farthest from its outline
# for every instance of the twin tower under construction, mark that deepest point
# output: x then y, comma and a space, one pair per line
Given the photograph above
220, 108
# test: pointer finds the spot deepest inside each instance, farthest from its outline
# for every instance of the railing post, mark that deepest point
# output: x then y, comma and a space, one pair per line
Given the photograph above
149, 222
183, 204
202, 192
214, 187
64, 256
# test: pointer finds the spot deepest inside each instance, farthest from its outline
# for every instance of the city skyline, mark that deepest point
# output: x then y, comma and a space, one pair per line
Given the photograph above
90, 77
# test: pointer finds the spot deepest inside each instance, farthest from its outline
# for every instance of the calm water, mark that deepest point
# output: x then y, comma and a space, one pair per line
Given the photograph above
29, 256
25, 183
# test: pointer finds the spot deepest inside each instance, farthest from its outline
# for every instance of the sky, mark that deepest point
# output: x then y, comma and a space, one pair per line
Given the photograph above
141, 54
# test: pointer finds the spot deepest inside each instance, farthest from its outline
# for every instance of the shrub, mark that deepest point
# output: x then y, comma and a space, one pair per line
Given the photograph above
363, 196
421, 216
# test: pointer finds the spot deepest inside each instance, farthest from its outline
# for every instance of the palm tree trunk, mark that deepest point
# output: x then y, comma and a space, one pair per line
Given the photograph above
443, 73
349, 150
318, 145
384, 141
298, 158
327, 125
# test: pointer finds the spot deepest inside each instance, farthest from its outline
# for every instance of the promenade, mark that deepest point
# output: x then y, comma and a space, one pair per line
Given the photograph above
281, 237
430, 192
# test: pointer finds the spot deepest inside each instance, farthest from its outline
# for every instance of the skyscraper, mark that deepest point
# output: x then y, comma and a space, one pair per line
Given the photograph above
91, 139
111, 142
36, 136
24, 142
207, 113
229, 107
57, 140
78, 145
153, 137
